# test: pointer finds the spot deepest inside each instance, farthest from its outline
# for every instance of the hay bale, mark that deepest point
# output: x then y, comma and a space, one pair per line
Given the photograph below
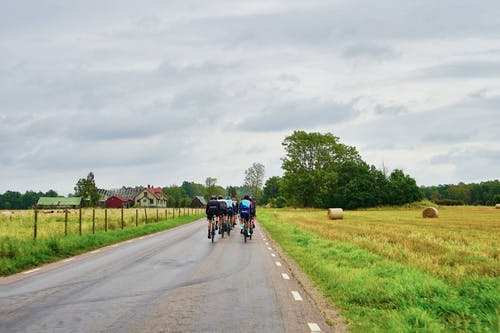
335, 213
430, 212
497, 206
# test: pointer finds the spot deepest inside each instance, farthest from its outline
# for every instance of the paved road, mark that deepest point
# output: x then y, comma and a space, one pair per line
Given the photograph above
173, 281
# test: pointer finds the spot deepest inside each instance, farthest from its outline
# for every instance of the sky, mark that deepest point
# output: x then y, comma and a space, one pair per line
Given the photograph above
161, 92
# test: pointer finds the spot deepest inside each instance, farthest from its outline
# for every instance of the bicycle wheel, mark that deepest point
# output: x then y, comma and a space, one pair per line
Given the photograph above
213, 232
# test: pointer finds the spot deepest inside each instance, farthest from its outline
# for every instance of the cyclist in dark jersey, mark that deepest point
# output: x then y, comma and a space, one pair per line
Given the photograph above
212, 209
222, 212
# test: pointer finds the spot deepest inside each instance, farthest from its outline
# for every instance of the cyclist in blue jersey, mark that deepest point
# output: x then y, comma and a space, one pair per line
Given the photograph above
245, 210
230, 212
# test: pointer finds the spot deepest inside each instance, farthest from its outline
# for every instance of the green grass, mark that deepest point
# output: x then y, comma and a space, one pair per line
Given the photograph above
21, 253
392, 271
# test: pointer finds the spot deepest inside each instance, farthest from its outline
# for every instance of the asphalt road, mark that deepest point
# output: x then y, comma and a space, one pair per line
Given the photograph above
173, 281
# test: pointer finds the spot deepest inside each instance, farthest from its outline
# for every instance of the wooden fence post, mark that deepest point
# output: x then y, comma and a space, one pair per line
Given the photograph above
105, 219
35, 227
122, 218
80, 222
166, 215
146, 215
66, 222
93, 220
156, 214
136, 217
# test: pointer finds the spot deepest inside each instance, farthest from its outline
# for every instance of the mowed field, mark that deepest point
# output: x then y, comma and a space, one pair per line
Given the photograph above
19, 224
61, 235
390, 270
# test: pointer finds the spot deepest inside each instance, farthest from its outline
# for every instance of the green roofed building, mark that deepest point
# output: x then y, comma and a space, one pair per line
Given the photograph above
59, 202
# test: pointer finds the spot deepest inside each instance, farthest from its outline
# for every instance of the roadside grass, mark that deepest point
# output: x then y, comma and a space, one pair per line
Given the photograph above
20, 251
390, 270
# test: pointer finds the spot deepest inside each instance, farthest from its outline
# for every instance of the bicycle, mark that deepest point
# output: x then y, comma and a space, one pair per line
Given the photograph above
213, 223
247, 229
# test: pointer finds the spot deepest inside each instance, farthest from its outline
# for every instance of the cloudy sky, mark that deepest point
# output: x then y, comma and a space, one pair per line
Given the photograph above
158, 92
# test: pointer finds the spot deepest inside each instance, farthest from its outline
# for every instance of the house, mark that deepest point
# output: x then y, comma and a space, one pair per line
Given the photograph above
151, 197
128, 193
199, 201
59, 202
116, 201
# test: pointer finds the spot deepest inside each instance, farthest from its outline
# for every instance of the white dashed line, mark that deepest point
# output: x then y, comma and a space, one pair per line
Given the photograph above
296, 296
278, 264
267, 243
69, 259
285, 276
269, 248
96, 251
314, 327
32, 271
273, 255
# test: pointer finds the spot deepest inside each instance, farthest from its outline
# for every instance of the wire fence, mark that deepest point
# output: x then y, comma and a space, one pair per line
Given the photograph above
45, 223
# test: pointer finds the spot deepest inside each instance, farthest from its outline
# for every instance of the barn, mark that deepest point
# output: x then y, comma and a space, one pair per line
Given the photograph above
116, 201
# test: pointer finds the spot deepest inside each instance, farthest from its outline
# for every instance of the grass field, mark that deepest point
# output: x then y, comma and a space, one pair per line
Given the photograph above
390, 270
57, 239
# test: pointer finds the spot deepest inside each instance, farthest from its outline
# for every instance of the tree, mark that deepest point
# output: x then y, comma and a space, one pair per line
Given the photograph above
211, 189
403, 189
86, 188
175, 195
254, 179
311, 166
232, 192
193, 189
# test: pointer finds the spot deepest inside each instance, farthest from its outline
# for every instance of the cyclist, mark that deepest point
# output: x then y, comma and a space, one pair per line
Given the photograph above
235, 212
222, 212
212, 209
245, 209
230, 212
253, 211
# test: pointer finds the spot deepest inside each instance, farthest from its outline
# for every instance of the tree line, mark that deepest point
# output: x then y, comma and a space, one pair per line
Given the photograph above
321, 172
17, 200
484, 193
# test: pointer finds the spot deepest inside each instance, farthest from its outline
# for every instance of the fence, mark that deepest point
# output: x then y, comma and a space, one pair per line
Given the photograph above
55, 223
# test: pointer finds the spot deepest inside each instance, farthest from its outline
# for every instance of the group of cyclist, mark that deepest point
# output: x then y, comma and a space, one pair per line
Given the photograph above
229, 210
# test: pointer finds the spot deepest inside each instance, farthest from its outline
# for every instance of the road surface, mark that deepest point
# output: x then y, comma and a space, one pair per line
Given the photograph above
173, 281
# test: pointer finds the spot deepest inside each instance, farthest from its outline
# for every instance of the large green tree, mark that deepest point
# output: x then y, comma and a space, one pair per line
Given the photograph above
311, 166
87, 189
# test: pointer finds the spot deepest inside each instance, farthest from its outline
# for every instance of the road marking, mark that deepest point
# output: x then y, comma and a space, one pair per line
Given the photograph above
267, 243
32, 271
285, 276
273, 255
269, 248
278, 264
314, 327
96, 251
296, 296
69, 259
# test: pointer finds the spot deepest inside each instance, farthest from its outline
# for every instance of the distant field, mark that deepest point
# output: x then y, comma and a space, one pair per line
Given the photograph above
57, 239
390, 270
19, 224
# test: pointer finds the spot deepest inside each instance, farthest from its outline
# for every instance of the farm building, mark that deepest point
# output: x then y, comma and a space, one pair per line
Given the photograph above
128, 193
59, 202
199, 201
151, 197
116, 201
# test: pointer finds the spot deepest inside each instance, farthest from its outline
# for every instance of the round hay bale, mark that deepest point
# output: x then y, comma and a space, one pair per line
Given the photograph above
430, 212
335, 213
497, 206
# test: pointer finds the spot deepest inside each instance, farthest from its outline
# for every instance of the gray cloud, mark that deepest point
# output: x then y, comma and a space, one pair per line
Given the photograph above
469, 69
298, 114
